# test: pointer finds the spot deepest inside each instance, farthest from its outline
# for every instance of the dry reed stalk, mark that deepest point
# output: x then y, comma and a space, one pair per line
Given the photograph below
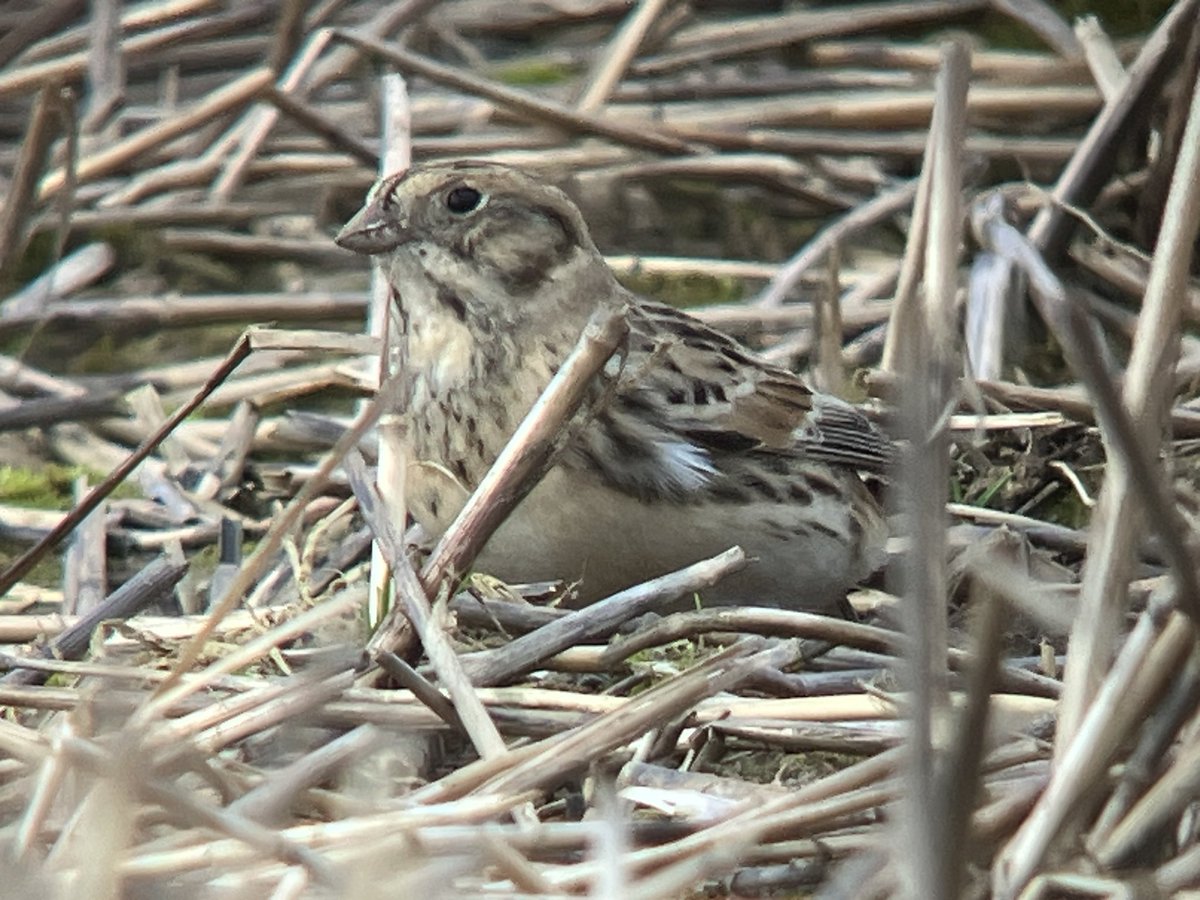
799, 143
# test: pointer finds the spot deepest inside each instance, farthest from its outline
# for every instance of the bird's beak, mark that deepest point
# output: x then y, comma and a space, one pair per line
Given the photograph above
373, 230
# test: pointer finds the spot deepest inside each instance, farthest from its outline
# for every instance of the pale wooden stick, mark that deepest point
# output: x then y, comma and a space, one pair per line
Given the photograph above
1102, 718
259, 121
931, 856
642, 136
1096, 154
412, 615
237, 93
886, 204
390, 475
611, 64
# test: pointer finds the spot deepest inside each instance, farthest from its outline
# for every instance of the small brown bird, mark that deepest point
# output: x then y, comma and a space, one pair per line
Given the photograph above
701, 446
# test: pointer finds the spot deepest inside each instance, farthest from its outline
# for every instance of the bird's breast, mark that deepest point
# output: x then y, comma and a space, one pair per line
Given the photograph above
440, 351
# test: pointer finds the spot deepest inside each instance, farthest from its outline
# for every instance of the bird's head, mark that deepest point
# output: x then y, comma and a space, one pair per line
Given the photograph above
487, 232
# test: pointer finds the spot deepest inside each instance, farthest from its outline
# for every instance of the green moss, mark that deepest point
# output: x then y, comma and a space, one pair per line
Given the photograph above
48, 487
534, 72
133, 244
1119, 18
102, 356
139, 247
680, 655
1065, 508
47, 573
197, 272
203, 561
38, 255
685, 290
45, 487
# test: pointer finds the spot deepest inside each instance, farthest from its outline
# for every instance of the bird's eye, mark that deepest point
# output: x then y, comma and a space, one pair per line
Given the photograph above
463, 199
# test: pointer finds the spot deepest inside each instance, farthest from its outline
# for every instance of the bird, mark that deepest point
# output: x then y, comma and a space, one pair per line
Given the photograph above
699, 445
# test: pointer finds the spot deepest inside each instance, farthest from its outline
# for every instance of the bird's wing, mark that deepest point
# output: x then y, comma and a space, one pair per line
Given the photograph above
690, 403
722, 396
